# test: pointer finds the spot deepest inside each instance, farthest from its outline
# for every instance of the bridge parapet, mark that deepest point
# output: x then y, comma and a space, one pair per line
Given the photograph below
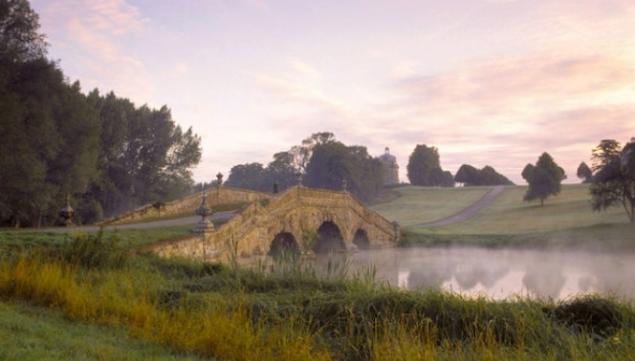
298, 212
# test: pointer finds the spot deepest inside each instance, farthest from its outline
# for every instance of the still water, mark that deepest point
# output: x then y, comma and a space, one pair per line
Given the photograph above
502, 273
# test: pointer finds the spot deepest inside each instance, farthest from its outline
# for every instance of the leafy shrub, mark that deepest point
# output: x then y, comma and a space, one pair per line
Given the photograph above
597, 316
96, 251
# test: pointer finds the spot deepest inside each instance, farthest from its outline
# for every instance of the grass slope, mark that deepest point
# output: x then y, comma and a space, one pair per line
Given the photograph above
509, 214
565, 220
410, 205
30, 333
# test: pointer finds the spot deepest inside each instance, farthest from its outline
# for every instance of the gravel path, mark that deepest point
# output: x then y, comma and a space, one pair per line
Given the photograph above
468, 212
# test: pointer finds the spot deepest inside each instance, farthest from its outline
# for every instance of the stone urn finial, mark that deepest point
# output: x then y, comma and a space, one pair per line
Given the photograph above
219, 179
67, 213
299, 177
204, 225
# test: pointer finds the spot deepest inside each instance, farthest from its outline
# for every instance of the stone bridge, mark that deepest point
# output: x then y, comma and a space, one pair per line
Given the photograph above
300, 220
224, 197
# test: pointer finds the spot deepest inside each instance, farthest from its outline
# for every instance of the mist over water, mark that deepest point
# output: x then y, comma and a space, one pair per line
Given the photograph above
502, 273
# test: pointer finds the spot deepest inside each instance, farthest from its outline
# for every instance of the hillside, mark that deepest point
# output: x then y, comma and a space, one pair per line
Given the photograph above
566, 219
411, 205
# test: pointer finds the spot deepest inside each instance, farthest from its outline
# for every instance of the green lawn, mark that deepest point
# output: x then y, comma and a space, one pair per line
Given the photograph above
565, 220
30, 333
27, 239
509, 214
412, 205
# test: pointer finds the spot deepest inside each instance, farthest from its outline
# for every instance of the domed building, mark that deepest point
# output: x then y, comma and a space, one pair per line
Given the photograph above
391, 168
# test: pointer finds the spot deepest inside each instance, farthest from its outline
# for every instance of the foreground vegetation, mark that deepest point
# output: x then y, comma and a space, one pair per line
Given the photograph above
35, 333
284, 311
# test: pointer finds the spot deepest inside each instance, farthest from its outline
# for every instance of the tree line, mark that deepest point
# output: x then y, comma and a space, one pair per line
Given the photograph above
103, 151
320, 161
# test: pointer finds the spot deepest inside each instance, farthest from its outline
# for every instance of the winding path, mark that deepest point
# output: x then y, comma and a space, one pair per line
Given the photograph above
468, 212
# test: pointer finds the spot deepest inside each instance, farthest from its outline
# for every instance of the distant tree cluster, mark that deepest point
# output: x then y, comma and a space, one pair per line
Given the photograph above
472, 176
334, 165
321, 162
103, 151
544, 179
255, 176
424, 168
613, 181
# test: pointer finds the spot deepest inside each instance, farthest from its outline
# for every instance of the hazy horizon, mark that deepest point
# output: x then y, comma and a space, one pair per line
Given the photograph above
487, 82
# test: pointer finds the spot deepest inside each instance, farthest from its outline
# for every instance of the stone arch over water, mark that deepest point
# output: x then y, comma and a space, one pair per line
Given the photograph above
361, 239
284, 243
329, 239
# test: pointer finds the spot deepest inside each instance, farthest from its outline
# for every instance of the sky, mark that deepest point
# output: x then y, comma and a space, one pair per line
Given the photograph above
488, 82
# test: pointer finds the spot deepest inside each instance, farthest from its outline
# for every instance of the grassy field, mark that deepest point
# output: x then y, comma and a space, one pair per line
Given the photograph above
11, 239
508, 214
411, 205
565, 220
35, 333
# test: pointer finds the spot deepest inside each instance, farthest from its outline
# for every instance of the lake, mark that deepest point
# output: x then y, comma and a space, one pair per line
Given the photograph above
500, 273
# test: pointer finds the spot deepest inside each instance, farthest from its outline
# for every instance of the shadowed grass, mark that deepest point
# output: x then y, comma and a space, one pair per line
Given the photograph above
224, 330
32, 333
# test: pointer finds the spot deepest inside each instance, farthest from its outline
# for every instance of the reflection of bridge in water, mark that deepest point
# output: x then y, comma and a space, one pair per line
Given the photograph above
300, 220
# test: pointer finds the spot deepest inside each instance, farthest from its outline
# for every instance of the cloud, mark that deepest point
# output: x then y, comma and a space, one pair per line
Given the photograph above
504, 113
95, 30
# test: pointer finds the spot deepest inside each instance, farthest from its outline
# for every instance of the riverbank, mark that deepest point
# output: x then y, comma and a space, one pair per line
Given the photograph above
611, 237
284, 310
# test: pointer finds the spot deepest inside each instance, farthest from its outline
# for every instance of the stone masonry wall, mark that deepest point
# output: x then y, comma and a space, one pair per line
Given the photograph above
187, 205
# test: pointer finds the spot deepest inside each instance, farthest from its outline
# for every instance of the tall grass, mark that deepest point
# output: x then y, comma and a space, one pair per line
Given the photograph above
293, 310
224, 331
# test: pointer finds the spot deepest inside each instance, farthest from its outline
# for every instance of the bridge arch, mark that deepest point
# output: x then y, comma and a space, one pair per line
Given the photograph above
329, 238
284, 243
361, 239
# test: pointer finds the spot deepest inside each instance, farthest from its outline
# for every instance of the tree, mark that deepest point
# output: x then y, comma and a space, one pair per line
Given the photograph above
471, 176
614, 180
468, 175
447, 179
584, 173
302, 153
544, 179
104, 152
332, 164
282, 171
423, 167
248, 176
51, 133
19, 37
